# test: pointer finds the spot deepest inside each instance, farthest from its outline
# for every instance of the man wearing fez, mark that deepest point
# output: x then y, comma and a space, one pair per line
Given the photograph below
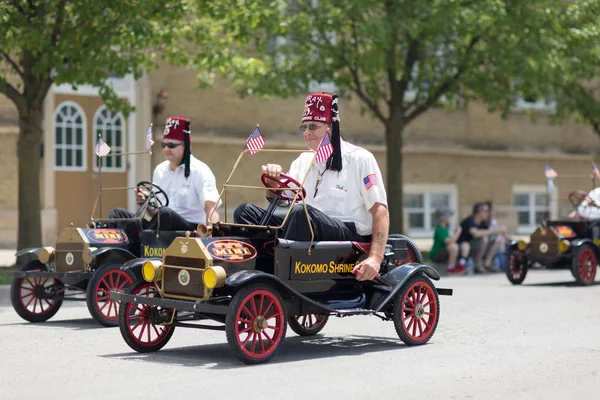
188, 182
345, 195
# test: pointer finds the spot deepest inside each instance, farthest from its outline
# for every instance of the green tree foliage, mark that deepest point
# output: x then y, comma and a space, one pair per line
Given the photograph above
401, 58
77, 42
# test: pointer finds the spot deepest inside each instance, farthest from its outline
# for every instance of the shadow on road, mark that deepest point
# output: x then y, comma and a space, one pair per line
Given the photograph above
80, 324
293, 349
557, 284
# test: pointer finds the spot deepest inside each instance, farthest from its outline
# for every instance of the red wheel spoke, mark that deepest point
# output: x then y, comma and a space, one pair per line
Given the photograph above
245, 321
262, 345
122, 285
28, 281
141, 334
247, 338
414, 327
32, 299
248, 313
156, 330
276, 314
137, 325
253, 302
104, 306
270, 339
103, 298
49, 304
111, 280
253, 345
260, 305
26, 288
27, 295
245, 330
149, 337
412, 321
103, 284
303, 323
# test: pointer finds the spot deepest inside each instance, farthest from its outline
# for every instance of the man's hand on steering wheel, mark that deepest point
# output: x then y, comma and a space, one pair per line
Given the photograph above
273, 171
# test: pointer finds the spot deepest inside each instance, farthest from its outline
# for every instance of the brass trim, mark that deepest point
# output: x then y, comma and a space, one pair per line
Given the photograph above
46, 254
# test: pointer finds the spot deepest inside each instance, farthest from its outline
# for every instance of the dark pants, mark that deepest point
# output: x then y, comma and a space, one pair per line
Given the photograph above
296, 227
165, 220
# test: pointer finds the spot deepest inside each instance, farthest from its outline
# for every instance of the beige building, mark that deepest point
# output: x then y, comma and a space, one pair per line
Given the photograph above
451, 159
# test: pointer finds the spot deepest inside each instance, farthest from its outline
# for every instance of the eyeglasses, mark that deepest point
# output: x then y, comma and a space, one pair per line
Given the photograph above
311, 127
170, 145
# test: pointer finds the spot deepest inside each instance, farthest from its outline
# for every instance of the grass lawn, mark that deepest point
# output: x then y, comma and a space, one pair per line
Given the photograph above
4, 277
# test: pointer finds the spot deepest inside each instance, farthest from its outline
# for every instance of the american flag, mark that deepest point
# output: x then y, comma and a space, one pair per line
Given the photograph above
596, 172
255, 141
149, 140
102, 149
325, 149
370, 180
550, 173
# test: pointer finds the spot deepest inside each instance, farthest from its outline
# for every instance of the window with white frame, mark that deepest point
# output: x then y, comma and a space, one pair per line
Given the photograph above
421, 202
69, 137
111, 128
530, 204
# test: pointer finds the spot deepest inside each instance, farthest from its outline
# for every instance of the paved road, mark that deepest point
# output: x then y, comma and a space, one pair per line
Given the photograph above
494, 341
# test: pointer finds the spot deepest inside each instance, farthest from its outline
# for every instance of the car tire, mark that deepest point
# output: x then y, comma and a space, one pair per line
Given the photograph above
106, 279
252, 307
584, 265
144, 340
414, 254
25, 291
515, 266
416, 311
308, 324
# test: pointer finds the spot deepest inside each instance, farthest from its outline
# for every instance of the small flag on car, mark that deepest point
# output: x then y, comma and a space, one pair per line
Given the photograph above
102, 149
255, 141
325, 149
596, 171
550, 173
149, 140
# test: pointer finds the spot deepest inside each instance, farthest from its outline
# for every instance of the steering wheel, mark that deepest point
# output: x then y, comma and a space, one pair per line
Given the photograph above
153, 190
284, 182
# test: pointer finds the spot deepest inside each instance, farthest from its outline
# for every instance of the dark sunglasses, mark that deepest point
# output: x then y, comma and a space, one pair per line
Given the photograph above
170, 145
311, 127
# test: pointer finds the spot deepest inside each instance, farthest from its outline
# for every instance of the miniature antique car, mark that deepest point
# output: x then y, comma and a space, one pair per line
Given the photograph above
86, 261
557, 244
244, 280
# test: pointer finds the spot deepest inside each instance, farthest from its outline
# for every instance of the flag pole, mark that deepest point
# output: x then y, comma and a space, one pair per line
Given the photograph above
99, 161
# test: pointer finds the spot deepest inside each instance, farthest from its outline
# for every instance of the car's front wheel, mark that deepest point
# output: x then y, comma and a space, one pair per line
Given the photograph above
257, 325
136, 324
106, 279
584, 264
516, 266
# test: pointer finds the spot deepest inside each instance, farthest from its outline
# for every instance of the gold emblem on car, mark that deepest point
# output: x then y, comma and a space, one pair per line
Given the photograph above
184, 248
69, 258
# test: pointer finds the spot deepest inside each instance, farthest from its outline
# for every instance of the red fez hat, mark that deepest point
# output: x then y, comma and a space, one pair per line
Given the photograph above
323, 107
178, 128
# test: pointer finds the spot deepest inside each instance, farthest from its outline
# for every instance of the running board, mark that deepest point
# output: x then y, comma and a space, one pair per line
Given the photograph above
346, 312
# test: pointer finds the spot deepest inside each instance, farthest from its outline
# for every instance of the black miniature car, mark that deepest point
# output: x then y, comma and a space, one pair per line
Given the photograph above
86, 261
251, 284
557, 244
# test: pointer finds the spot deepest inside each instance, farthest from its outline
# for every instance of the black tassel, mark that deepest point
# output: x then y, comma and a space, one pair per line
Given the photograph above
334, 162
186, 148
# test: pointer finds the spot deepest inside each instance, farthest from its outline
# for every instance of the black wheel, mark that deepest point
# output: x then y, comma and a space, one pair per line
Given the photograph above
584, 265
309, 324
106, 279
258, 323
416, 311
135, 322
36, 299
515, 266
414, 254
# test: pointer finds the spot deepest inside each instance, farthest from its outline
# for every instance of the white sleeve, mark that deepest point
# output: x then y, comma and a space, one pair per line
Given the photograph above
372, 188
208, 185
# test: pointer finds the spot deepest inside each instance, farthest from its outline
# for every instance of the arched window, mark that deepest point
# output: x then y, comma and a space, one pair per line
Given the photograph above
69, 137
111, 127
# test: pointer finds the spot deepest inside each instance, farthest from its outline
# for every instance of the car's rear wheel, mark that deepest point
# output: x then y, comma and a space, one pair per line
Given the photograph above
36, 299
257, 325
414, 254
584, 265
135, 321
515, 266
106, 279
308, 324
416, 311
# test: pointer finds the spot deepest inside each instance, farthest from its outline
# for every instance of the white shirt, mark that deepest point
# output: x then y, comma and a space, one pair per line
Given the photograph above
349, 194
589, 211
187, 196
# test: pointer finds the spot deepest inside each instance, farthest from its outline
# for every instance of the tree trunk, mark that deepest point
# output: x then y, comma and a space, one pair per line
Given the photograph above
394, 130
29, 153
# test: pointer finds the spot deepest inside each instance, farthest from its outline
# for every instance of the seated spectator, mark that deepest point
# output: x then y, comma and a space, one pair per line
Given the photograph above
496, 242
475, 236
445, 248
